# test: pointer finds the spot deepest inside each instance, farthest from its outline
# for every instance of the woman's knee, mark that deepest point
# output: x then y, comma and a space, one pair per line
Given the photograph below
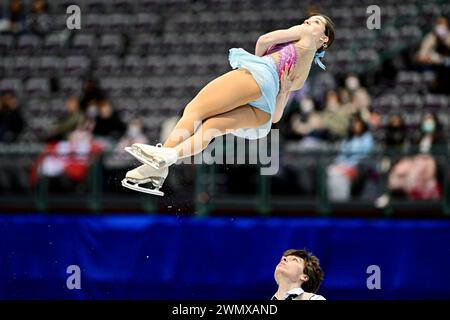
212, 128
195, 110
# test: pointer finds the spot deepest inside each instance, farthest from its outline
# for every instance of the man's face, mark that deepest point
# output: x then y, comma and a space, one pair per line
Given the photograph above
291, 268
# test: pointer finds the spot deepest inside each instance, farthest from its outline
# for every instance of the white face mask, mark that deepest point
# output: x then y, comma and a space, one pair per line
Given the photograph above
441, 30
134, 131
352, 83
307, 105
332, 106
92, 111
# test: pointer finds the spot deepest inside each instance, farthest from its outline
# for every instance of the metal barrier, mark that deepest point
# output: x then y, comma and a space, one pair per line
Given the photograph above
207, 188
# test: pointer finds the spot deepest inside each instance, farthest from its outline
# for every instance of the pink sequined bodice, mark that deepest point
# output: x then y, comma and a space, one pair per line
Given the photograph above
287, 55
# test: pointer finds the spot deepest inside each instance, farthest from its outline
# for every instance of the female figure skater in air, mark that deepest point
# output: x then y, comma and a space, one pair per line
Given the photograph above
244, 101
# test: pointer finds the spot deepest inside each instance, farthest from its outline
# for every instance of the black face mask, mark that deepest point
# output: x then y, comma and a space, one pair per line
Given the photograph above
396, 134
396, 129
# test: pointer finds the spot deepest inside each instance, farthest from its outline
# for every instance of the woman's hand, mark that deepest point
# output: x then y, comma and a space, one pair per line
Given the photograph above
286, 79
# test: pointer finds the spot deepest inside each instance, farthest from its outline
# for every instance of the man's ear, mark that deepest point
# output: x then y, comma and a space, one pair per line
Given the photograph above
304, 277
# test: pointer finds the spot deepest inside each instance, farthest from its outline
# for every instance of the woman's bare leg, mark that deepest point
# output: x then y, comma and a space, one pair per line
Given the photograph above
241, 117
223, 94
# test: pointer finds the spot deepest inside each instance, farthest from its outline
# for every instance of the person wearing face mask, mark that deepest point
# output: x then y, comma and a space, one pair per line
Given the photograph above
133, 134
358, 97
334, 117
300, 107
435, 52
67, 123
345, 170
108, 124
92, 111
308, 125
39, 21
431, 139
417, 176
395, 132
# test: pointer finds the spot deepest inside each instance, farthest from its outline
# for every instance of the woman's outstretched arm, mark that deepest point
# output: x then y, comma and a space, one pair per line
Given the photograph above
280, 36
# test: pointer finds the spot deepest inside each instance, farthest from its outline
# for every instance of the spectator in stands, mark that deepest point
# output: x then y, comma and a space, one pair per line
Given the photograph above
87, 122
4, 22
395, 133
39, 21
432, 139
308, 126
416, 176
107, 123
294, 109
69, 122
394, 143
298, 276
11, 120
374, 120
357, 99
92, 94
344, 170
435, 51
14, 20
66, 163
335, 117
134, 134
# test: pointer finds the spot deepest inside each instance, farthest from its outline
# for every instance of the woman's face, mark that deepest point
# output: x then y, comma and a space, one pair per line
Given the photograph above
106, 110
395, 121
428, 124
357, 127
332, 101
317, 25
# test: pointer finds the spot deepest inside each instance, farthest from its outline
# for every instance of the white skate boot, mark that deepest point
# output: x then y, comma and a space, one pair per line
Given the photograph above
157, 156
146, 174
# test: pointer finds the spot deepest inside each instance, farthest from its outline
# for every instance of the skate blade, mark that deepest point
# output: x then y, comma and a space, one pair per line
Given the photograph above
136, 187
144, 158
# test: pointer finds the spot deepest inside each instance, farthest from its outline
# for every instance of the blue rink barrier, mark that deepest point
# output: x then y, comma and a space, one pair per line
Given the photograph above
168, 257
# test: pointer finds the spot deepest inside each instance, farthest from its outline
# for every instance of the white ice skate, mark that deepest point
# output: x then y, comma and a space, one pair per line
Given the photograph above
143, 175
157, 156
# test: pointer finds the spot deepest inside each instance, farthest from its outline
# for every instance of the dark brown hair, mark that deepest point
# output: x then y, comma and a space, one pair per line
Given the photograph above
312, 269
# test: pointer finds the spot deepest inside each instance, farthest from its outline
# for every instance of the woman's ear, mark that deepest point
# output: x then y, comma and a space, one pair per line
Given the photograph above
324, 39
304, 277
